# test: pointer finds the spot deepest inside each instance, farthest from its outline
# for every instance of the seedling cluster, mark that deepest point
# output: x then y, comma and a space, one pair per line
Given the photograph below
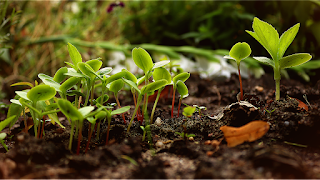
82, 79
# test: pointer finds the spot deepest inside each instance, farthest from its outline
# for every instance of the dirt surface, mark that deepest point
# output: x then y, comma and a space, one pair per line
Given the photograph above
290, 149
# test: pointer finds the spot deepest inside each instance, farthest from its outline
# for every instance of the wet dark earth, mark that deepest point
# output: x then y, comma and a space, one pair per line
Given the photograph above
290, 149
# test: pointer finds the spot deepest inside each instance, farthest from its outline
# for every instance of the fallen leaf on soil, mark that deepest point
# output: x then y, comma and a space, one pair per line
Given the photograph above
249, 132
302, 105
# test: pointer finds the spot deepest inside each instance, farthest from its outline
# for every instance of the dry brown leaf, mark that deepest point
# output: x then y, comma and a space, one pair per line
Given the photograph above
249, 132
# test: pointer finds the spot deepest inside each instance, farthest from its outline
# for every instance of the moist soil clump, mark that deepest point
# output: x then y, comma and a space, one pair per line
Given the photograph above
288, 150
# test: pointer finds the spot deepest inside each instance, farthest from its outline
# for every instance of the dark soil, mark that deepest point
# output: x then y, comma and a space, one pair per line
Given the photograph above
290, 149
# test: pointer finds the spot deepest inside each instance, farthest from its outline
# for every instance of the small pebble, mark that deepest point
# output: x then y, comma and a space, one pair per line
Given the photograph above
159, 144
191, 138
20, 138
209, 153
158, 121
207, 142
258, 88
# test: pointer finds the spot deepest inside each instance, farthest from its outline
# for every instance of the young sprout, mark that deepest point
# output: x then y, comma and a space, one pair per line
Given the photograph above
145, 129
76, 116
182, 77
115, 87
199, 108
110, 114
187, 112
268, 37
3, 124
238, 52
159, 74
183, 91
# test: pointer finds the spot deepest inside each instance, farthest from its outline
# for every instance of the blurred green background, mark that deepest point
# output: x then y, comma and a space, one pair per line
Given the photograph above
33, 34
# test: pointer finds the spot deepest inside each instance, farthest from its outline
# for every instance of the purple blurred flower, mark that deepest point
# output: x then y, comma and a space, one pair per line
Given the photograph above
114, 4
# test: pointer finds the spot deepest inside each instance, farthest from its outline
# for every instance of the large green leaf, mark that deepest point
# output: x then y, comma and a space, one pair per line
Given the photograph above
95, 64
48, 80
59, 76
69, 110
129, 76
161, 73
115, 77
153, 86
5, 122
142, 59
69, 83
74, 55
87, 70
240, 51
182, 76
41, 93
266, 35
286, 39
120, 110
14, 109
86, 110
116, 85
182, 89
132, 84
160, 64
294, 60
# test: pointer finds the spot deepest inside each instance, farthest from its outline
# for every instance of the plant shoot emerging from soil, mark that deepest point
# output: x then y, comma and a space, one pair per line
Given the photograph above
238, 52
268, 37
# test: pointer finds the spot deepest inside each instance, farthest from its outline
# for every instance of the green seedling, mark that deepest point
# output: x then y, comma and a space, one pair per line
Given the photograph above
268, 37
199, 109
187, 112
238, 52
3, 124
110, 114
145, 129
182, 77
144, 61
34, 100
183, 91
159, 74
185, 135
144, 90
76, 116
115, 87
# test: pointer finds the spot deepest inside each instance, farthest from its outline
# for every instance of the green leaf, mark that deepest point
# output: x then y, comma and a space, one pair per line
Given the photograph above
95, 64
120, 110
23, 94
142, 59
101, 115
105, 98
153, 86
240, 51
116, 85
86, 110
87, 70
266, 35
74, 55
23, 84
41, 93
188, 111
59, 76
104, 71
115, 77
182, 77
265, 60
2, 136
294, 60
128, 75
132, 84
14, 109
160, 64
5, 122
48, 80
286, 39
161, 73
72, 66
69, 110
69, 83
182, 89
72, 72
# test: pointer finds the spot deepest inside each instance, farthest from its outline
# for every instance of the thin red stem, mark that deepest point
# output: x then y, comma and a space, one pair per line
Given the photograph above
241, 90
173, 96
179, 107
89, 139
79, 140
